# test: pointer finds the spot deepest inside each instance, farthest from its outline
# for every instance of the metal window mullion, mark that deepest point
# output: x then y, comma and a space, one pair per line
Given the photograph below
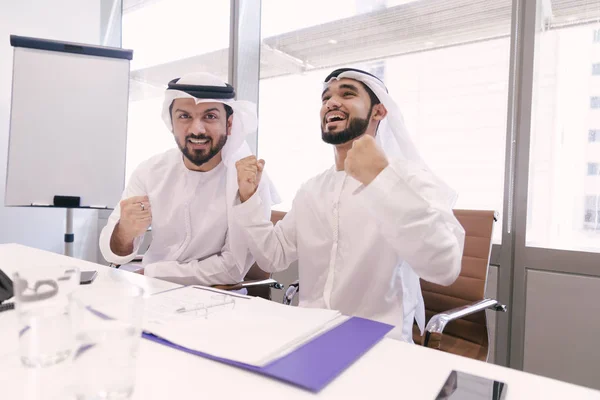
511, 274
244, 54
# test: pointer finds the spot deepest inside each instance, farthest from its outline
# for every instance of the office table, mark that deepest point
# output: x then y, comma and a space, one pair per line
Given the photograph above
391, 369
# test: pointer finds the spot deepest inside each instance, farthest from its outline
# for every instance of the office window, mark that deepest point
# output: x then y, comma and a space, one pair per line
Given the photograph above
591, 219
169, 38
451, 85
565, 105
592, 202
589, 215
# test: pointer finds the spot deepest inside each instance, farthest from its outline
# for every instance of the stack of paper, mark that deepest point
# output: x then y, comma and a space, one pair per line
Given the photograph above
246, 329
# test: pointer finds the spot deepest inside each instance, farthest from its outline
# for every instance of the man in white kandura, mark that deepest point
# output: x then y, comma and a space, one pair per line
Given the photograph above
186, 194
367, 229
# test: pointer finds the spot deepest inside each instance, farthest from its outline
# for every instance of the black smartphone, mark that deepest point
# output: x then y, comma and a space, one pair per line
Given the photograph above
87, 277
463, 386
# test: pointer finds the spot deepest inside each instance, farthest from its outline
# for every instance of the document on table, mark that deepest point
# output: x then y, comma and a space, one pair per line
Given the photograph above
246, 329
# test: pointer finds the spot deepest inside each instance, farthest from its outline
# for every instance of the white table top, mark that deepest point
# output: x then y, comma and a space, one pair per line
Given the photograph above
403, 370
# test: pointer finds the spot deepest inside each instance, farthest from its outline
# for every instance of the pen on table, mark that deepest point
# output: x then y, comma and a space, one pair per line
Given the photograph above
185, 309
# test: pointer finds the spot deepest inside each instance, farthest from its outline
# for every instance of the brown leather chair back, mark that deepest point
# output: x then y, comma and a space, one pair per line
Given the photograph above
467, 336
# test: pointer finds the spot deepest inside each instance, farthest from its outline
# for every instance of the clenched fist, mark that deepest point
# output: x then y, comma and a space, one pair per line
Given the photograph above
249, 172
136, 217
365, 160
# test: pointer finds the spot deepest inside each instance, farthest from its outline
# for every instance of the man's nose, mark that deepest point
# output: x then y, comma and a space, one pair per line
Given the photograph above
332, 103
197, 127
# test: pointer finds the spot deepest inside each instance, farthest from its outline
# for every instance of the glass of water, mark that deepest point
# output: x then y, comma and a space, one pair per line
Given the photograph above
42, 294
108, 326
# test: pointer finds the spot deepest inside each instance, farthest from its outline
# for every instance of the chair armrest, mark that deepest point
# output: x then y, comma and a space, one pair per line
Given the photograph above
438, 322
263, 282
247, 284
291, 292
233, 286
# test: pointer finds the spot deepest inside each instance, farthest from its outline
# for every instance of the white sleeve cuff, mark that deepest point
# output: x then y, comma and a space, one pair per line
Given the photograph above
399, 181
107, 252
244, 212
120, 260
382, 185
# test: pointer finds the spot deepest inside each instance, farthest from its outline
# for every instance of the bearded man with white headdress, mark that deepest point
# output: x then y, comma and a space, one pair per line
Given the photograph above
187, 194
364, 231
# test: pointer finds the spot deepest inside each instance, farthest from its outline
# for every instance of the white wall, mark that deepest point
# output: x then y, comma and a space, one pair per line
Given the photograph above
70, 20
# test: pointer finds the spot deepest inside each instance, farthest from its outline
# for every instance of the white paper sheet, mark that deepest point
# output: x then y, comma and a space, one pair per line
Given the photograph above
241, 328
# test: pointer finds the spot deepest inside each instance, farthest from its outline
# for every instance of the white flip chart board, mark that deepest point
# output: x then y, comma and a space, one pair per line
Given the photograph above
68, 123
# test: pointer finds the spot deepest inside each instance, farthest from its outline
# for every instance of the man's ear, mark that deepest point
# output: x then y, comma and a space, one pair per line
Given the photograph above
379, 112
229, 124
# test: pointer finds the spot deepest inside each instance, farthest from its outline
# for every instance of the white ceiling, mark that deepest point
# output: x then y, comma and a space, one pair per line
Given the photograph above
416, 26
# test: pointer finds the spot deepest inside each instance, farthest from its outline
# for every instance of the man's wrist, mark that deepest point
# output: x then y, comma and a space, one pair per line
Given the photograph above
375, 174
124, 234
245, 197
121, 241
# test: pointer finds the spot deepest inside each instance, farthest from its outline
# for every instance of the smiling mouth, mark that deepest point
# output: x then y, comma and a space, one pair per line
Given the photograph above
334, 120
335, 116
199, 141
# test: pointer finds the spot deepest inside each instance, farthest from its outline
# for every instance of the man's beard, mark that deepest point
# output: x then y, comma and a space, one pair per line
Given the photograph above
199, 158
356, 127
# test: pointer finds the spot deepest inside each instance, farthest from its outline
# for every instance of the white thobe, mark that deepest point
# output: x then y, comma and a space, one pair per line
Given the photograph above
189, 223
351, 242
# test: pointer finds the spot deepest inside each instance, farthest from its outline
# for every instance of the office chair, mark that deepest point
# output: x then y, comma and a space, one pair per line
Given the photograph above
455, 314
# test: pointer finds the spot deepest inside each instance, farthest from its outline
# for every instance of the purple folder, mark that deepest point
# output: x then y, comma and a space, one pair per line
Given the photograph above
316, 363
